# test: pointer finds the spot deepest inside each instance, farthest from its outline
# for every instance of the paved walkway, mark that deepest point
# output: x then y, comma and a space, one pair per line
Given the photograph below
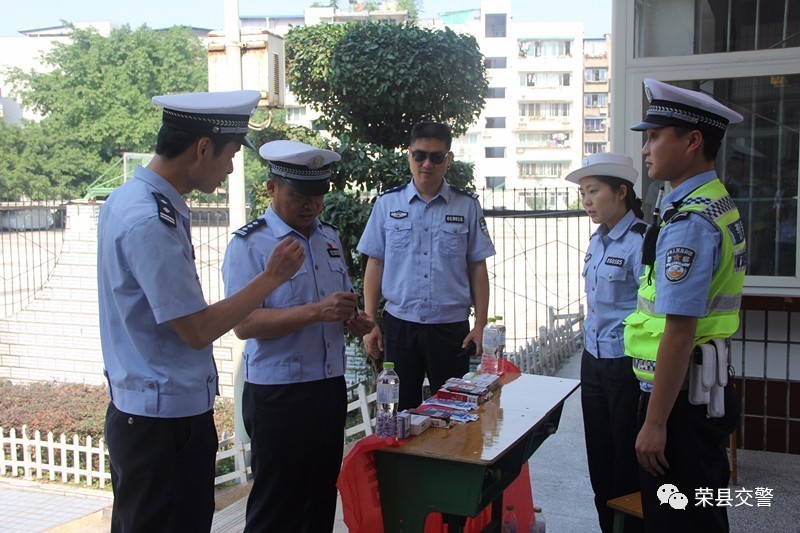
28, 507
559, 477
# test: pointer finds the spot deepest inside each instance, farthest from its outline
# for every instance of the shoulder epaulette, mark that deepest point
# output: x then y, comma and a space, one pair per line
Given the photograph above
166, 213
471, 194
393, 189
680, 215
639, 227
329, 224
251, 227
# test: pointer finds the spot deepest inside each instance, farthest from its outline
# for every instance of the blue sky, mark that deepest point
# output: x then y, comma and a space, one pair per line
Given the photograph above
16, 15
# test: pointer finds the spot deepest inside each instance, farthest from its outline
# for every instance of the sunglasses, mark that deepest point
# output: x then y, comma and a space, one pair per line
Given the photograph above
437, 158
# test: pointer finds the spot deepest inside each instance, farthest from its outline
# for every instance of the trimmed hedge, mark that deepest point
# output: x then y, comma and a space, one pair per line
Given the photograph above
71, 408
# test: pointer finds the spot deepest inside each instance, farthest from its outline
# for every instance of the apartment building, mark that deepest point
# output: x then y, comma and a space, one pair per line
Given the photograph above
596, 95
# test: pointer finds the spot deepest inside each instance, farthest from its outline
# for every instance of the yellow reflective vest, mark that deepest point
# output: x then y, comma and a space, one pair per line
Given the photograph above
644, 327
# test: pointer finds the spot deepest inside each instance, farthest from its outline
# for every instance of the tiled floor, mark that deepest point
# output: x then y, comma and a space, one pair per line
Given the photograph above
28, 508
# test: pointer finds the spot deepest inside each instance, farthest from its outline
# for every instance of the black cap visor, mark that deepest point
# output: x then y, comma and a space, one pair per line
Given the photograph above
309, 187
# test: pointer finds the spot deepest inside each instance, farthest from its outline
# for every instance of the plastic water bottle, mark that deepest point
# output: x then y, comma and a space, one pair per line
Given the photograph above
537, 522
501, 342
489, 356
388, 396
510, 524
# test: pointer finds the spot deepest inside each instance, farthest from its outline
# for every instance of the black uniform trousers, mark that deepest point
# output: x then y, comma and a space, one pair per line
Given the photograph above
417, 349
695, 451
297, 440
610, 399
162, 471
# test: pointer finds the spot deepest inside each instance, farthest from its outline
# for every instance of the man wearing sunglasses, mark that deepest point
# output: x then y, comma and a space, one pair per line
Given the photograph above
427, 244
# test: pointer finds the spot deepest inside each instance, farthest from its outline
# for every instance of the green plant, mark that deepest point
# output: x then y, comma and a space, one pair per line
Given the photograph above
414, 74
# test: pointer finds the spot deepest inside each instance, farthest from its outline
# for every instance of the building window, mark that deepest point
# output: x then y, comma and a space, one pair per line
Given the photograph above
596, 75
714, 26
557, 139
595, 48
495, 182
594, 148
758, 163
545, 48
543, 169
495, 62
496, 92
594, 124
596, 99
541, 110
544, 79
495, 122
539, 199
295, 114
469, 138
494, 152
496, 25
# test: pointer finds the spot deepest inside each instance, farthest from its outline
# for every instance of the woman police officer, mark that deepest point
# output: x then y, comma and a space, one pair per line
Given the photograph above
612, 267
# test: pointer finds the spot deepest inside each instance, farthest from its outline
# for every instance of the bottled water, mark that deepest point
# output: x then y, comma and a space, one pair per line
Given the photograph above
388, 396
538, 524
510, 520
490, 341
500, 333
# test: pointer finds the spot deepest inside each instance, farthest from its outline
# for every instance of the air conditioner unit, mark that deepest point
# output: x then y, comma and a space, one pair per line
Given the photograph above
263, 66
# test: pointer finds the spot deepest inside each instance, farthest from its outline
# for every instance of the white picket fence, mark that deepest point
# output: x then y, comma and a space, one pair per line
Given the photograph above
555, 343
62, 460
70, 461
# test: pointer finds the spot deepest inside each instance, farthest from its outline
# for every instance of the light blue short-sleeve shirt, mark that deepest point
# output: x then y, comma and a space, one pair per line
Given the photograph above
612, 268
147, 277
426, 248
692, 236
308, 354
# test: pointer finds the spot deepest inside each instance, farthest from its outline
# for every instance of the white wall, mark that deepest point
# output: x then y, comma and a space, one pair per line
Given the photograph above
57, 336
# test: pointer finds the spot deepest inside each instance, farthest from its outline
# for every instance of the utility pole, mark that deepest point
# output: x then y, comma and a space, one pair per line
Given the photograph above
237, 206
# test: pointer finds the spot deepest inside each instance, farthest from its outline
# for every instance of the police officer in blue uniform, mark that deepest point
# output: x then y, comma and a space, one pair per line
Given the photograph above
611, 270
427, 243
688, 304
294, 399
156, 328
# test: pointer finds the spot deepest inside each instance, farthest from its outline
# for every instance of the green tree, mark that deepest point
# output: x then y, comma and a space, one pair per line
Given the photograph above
371, 83
95, 95
412, 6
374, 81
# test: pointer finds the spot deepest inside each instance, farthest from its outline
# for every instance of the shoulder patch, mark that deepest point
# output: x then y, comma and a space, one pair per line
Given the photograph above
736, 230
483, 226
678, 262
166, 213
393, 189
251, 227
336, 228
471, 194
639, 227
680, 215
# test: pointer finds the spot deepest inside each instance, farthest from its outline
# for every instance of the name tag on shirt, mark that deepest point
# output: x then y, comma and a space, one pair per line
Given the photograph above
455, 219
615, 261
